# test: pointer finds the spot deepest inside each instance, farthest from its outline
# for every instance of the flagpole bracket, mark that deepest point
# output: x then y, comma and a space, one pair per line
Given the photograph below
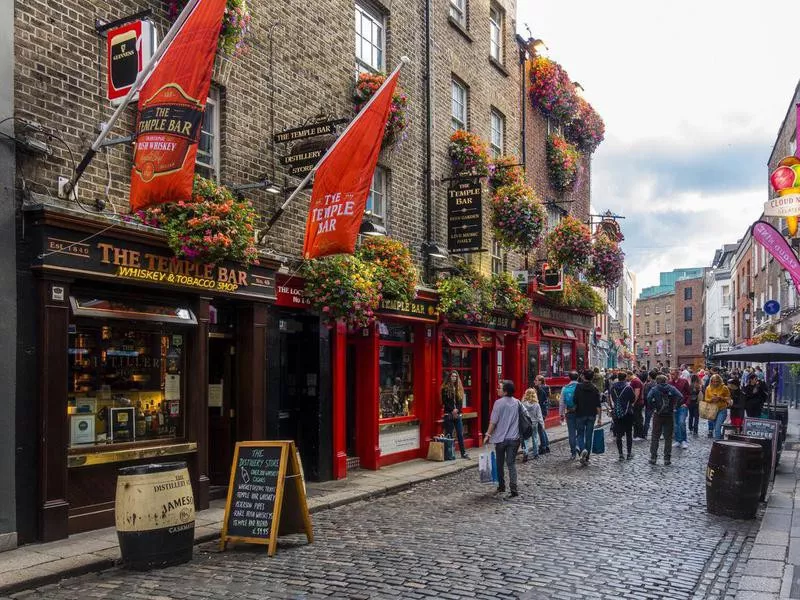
101, 26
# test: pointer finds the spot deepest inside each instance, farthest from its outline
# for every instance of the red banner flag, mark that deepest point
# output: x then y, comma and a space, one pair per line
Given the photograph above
342, 180
171, 106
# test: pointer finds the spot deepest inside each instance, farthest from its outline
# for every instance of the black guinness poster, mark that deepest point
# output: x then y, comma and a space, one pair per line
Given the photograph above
464, 216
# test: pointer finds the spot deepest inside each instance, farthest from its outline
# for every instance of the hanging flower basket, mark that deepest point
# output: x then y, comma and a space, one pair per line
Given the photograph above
468, 153
235, 24
466, 295
342, 287
562, 163
212, 227
504, 171
507, 295
394, 267
569, 245
552, 90
579, 296
587, 129
365, 87
607, 263
518, 217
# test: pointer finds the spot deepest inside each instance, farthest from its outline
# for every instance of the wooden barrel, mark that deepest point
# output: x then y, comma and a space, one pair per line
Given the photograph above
733, 479
154, 513
766, 466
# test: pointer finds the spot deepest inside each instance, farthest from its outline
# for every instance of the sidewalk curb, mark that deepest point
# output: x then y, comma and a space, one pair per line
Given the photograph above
102, 564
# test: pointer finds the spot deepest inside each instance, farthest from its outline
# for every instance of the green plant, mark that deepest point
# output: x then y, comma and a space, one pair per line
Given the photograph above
587, 129
212, 227
468, 153
365, 87
518, 217
507, 295
607, 262
342, 287
569, 244
394, 267
562, 163
465, 295
505, 170
580, 296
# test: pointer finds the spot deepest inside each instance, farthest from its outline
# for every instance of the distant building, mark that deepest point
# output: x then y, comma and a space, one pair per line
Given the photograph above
689, 322
718, 301
654, 331
667, 281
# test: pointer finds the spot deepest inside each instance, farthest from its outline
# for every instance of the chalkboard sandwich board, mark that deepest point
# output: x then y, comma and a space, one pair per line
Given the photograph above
764, 428
260, 505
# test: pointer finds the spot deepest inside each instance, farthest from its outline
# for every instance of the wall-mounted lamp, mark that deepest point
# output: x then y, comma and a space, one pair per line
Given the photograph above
434, 250
537, 46
371, 228
264, 184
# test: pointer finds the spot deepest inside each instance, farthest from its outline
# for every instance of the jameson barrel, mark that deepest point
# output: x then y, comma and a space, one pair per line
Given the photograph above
154, 513
766, 465
733, 479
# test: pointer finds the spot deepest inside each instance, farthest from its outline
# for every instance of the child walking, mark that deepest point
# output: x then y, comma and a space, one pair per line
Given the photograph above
530, 401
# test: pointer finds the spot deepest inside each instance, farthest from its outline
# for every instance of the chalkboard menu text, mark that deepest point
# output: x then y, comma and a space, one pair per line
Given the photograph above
764, 428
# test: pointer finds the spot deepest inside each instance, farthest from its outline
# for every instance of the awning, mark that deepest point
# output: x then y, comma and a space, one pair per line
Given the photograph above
461, 339
131, 310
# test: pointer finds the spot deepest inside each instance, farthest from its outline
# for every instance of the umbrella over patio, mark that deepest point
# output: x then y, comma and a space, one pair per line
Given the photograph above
766, 352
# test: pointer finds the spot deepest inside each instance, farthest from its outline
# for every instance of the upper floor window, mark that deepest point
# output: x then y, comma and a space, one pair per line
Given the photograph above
793, 144
637, 329
687, 313
726, 295
208, 153
657, 309
647, 312
496, 34
378, 191
647, 327
658, 326
458, 105
668, 326
667, 308
370, 39
687, 337
687, 293
458, 11
498, 126
497, 258
726, 327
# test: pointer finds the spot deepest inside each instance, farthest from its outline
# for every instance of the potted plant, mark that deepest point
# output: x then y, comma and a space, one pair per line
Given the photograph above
342, 287
507, 295
468, 153
518, 217
578, 295
552, 90
562, 163
212, 227
365, 87
503, 171
569, 245
607, 263
465, 295
394, 267
587, 129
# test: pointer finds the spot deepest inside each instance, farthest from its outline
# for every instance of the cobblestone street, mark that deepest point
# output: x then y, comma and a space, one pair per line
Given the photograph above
612, 530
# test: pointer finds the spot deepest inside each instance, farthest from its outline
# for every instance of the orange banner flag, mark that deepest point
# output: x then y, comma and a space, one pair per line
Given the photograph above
171, 106
343, 179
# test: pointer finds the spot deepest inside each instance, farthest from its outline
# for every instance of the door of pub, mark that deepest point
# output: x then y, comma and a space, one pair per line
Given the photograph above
221, 409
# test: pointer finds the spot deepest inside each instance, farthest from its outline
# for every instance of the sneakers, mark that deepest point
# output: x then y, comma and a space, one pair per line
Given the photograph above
630, 456
584, 457
621, 457
667, 463
684, 445
675, 444
652, 461
500, 489
513, 495
465, 455
524, 458
710, 434
573, 456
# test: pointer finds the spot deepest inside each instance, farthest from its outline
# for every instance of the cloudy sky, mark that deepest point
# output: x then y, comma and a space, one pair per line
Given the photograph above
692, 94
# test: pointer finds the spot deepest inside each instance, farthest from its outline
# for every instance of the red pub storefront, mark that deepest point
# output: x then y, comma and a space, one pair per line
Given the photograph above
556, 343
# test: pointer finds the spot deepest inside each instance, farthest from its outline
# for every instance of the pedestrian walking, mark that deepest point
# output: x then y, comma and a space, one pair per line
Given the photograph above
503, 432
695, 398
453, 397
648, 411
543, 392
566, 409
718, 394
598, 379
662, 398
760, 374
737, 403
587, 409
682, 408
637, 385
755, 396
622, 399
530, 401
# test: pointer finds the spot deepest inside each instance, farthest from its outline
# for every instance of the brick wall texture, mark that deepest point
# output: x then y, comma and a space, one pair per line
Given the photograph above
691, 354
651, 314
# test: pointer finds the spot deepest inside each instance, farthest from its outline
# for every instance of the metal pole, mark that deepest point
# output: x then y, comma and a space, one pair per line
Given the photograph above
310, 174
148, 68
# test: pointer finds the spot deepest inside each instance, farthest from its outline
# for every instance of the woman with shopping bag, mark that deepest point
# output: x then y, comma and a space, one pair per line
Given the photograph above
714, 406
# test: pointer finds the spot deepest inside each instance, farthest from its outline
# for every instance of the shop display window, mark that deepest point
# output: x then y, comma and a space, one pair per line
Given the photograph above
460, 361
533, 363
125, 383
396, 360
580, 359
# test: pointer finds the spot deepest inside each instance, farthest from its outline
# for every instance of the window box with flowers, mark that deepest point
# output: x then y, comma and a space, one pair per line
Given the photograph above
578, 295
607, 263
507, 296
213, 226
569, 245
552, 90
393, 265
562, 163
518, 217
468, 154
365, 87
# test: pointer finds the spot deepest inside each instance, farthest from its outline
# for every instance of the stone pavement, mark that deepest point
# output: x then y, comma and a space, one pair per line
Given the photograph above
773, 568
37, 564
611, 530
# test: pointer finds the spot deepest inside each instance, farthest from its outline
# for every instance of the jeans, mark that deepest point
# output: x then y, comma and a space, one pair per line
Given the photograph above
544, 441
507, 453
533, 443
694, 417
638, 421
718, 422
585, 430
648, 415
662, 424
449, 424
572, 433
680, 423
624, 428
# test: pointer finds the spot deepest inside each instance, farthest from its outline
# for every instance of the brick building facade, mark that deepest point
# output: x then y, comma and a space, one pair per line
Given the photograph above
688, 319
654, 335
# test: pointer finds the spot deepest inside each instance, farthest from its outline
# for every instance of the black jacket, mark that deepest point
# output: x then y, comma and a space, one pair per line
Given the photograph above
587, 400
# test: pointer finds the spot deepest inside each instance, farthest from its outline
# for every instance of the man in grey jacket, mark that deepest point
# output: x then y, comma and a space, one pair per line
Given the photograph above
503, 432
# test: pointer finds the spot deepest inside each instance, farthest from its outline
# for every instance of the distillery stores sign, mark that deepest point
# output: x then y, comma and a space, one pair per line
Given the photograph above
65, 250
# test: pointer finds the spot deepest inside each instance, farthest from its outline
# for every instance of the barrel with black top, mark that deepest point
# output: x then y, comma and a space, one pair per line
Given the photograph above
733, 479
154, 513
766, 465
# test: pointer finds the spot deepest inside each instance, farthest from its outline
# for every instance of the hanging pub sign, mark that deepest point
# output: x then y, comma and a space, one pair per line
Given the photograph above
309, 143
464, 216
128, 48
308, 131
552, 278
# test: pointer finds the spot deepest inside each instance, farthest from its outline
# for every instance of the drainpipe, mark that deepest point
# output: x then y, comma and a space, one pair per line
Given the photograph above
522, 55
428, 140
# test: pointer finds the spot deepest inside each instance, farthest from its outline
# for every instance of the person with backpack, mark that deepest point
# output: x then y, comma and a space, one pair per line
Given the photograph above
682, 409
648, 412
638, 406
587, 408
662, 398
543, 391
504, 433
566, 410
530, 401
623, 399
